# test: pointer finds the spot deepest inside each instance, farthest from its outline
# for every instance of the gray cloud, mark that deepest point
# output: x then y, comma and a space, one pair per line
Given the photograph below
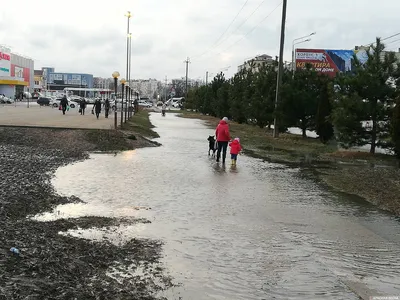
82, 37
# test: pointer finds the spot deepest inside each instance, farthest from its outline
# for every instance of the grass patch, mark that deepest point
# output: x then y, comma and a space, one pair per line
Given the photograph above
373, 177
288, 147
140, 124
259, 141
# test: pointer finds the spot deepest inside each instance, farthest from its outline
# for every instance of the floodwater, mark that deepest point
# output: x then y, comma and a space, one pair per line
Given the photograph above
257, 231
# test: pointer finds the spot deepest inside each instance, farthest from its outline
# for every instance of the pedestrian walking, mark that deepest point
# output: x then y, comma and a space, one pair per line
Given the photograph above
97, 108
223, 137
82, 107
64, 104
235, 150
107, 107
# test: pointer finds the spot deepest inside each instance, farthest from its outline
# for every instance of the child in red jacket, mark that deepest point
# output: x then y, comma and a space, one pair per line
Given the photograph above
235, 150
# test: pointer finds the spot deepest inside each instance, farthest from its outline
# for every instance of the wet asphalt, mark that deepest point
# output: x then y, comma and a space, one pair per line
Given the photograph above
257, 231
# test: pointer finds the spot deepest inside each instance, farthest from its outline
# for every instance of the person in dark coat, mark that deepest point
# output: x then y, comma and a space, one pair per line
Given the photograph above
82, 107
97, 107
107, 107
64, 104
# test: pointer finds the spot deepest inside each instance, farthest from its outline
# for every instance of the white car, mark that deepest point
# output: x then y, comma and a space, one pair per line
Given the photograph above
55, 102
144, 103
4, 99
119, 105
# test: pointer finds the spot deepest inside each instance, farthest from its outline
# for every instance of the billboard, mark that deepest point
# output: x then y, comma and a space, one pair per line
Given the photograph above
5, 61
329, 62
20, 73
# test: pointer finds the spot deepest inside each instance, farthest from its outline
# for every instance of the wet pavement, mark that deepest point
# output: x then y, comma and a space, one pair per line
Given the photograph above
47, 116
257, 231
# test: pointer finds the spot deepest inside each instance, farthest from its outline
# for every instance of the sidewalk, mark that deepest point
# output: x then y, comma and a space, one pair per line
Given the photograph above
37, 116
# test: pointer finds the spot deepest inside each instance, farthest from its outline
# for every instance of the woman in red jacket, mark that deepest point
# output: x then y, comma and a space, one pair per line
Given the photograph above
223, 137
235, 150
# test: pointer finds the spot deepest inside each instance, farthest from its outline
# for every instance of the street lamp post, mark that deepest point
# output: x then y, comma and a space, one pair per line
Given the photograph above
123, 81
115, 75
129, 72
293, 54
127, 101
128, 15
293, 43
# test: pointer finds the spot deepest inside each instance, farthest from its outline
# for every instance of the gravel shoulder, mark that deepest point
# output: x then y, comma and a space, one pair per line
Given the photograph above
54, 266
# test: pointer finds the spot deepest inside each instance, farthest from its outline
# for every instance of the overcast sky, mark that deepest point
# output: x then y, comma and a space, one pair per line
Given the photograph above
90, 36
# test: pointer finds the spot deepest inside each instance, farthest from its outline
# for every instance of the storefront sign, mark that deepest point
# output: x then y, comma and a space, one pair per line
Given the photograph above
5, 61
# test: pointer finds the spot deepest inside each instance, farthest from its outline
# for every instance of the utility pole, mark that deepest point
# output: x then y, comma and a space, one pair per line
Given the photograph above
187, 62
207, 78
280, 68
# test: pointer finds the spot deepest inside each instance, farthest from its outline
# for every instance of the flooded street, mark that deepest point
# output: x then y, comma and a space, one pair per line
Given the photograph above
259, 231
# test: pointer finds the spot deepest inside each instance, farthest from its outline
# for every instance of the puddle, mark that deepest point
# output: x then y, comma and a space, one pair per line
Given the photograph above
257, 231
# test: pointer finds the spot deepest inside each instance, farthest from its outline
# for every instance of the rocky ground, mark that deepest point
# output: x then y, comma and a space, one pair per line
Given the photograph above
54, 266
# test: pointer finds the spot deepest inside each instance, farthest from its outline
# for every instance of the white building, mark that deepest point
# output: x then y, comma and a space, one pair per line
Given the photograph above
145, 87
255, 63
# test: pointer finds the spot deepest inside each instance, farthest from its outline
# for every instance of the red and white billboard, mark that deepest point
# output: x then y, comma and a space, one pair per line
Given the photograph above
329, 62
21, 73
319, 60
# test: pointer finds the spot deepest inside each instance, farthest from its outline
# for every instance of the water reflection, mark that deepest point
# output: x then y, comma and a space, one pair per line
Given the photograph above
257, 231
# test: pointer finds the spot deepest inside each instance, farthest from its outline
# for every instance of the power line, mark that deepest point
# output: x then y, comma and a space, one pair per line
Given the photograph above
234, 19
390, 36
229, 26
237, 28
391, 42
384, 39
251, 30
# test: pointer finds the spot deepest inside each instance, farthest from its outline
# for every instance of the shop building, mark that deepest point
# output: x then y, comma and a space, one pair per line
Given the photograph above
39, 82
57, 81
16, 73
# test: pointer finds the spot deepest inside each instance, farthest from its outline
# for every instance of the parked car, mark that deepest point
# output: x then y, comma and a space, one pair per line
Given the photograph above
4, 99
119, 104
43, 101
37, 95
56, 103
144, 103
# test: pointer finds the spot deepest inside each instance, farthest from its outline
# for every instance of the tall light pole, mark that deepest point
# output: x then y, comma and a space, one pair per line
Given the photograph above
127, 100
280, 67
128, 15
115, 75
187, 62
294, 43
129, 73
293, 54
123, 81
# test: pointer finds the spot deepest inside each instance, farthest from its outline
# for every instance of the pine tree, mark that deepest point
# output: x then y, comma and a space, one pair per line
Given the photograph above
323, 125
366, 96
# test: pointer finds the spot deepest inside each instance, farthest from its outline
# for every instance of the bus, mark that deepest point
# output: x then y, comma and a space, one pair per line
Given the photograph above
88, 93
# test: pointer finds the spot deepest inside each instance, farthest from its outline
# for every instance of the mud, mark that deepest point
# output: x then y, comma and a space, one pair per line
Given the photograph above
56, 266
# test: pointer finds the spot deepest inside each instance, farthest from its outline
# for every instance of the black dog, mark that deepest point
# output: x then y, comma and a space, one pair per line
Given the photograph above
211, 145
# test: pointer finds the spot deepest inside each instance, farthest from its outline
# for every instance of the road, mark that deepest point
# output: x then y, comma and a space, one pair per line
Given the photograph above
257, 231
20, 115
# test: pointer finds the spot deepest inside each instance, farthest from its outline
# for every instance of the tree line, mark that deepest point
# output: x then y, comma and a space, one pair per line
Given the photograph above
356, 108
